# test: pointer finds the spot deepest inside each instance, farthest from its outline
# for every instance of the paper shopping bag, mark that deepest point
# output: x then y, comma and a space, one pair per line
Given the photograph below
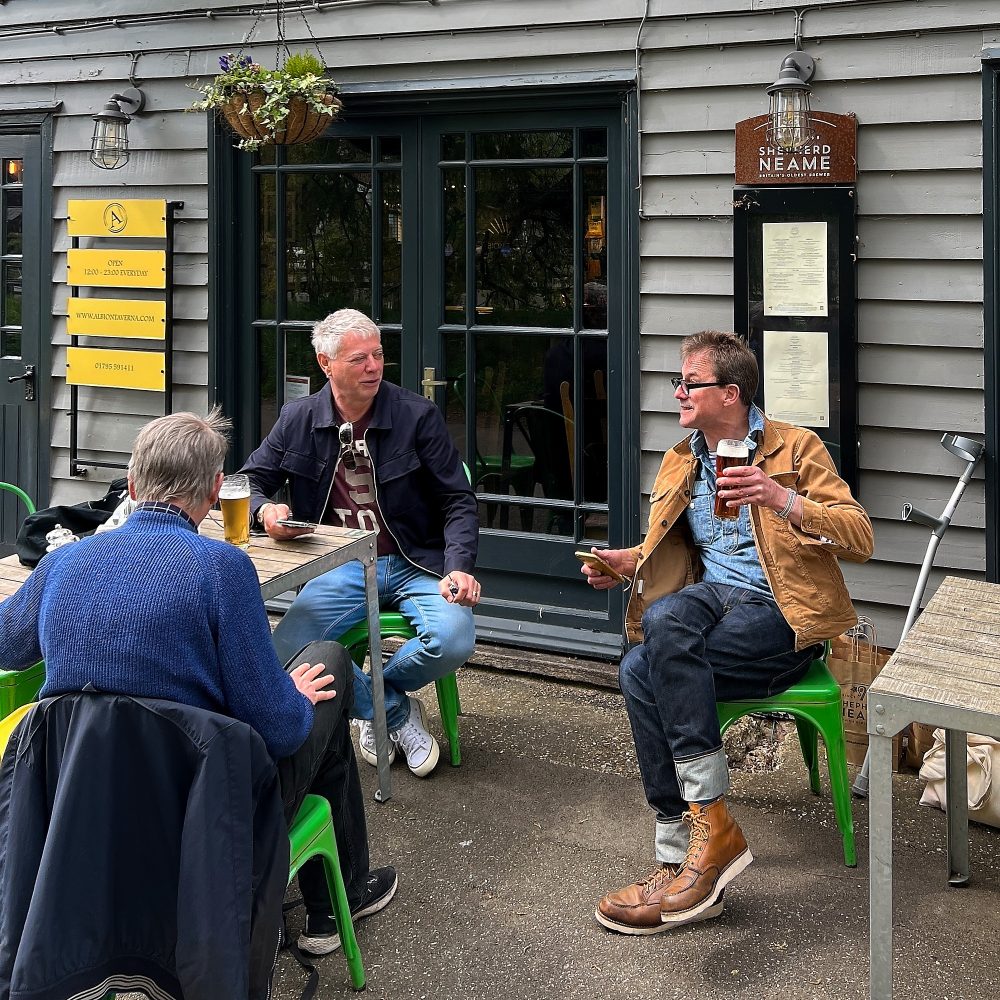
855, 661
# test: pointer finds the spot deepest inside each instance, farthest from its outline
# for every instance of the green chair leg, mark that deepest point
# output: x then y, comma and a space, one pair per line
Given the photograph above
808, 741
447, 692
391, 623
312, 835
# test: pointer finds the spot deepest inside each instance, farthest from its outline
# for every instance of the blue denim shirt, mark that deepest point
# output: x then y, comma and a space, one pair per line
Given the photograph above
728, 553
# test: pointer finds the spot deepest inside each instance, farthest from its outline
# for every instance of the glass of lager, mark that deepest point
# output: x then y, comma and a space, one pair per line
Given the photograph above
730, 452
234, 499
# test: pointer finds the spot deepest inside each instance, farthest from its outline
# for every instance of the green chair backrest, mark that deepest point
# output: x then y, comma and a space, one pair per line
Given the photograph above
25, 499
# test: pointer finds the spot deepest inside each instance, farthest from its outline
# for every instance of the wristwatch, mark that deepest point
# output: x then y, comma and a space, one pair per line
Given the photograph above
259, 516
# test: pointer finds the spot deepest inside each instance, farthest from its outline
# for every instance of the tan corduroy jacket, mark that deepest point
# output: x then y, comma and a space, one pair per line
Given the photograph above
800, 563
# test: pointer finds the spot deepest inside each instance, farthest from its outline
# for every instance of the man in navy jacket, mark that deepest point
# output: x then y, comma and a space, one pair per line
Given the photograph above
364, 453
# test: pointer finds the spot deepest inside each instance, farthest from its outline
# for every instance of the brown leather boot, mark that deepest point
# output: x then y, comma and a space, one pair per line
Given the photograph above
717, 853
636, 908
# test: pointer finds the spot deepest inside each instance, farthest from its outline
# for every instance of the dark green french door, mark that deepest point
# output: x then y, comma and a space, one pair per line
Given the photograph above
491, 250
20, 200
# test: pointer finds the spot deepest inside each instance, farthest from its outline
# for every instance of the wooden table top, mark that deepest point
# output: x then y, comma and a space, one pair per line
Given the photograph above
951, 656
280, 566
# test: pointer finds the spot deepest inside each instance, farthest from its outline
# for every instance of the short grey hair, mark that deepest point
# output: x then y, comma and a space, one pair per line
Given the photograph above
176, 458
328, 334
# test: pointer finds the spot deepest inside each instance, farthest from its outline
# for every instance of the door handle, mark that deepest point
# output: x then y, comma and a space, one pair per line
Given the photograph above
428, 383
28, 377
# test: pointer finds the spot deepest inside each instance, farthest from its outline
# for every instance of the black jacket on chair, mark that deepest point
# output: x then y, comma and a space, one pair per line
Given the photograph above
142, 848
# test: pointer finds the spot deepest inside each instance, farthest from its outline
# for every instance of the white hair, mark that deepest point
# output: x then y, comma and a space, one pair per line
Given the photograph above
328, 334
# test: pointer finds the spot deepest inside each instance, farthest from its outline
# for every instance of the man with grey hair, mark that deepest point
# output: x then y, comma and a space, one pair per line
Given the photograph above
155, 610
364, 453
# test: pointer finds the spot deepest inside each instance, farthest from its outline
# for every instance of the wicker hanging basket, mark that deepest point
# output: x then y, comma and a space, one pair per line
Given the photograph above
302, 124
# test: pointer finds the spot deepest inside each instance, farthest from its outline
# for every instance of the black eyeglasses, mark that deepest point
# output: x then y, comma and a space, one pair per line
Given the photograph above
345, 434
679, 383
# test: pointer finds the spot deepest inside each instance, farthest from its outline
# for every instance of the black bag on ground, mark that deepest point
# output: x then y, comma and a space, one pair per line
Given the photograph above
80, 518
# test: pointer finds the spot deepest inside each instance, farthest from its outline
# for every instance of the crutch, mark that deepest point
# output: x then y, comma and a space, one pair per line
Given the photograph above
970, 452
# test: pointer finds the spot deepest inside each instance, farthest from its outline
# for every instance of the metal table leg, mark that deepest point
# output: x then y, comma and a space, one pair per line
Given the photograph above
957, 791
384, 790
880, 865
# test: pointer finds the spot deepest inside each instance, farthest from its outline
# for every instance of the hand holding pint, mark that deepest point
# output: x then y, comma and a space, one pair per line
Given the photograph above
729, 452
234, 499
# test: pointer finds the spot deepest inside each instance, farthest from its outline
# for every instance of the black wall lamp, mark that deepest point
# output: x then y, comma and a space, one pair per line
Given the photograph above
790, 125
109, 146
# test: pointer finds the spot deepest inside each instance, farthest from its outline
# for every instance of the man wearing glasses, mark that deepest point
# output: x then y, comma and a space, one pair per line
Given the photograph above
364, 453
722, 609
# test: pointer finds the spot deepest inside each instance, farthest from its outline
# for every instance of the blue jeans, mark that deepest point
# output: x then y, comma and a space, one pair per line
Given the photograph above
329, 605
708, 642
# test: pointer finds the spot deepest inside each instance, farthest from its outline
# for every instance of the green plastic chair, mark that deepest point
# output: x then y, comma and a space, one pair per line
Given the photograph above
17, 491
814, 703
311, 835
391, 623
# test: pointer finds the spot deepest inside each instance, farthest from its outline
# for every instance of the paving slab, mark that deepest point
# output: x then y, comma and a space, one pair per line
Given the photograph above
502, 860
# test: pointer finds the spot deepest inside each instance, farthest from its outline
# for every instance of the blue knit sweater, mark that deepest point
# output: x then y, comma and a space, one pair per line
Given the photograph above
153, 609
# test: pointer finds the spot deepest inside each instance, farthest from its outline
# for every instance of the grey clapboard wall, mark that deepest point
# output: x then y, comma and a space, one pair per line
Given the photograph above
909, 70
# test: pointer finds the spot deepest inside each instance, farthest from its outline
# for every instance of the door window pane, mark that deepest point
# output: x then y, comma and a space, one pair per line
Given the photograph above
392, 247
267, 338
390, 149
267, 234
595, 248
523, 145
328, 243
11, 313
12, 220
10, 343
593, 142
453, 246
524, 246
453, 146
13, 172
336, 149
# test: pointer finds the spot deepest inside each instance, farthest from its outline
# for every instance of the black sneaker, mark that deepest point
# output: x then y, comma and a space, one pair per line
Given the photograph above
320, 936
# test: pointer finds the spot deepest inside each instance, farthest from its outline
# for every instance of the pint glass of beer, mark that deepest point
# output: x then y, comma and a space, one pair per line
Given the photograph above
730, 452
234, 499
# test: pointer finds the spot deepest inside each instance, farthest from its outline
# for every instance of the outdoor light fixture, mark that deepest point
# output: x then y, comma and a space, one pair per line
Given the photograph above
789, 126
109, 147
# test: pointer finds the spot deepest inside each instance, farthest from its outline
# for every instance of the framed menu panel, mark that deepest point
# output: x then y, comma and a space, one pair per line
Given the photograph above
794, 300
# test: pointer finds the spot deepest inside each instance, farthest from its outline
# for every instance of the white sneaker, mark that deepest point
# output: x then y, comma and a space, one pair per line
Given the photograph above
418, 746
366, 743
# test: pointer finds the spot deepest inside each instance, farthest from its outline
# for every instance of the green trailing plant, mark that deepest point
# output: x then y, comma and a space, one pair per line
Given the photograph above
266, 106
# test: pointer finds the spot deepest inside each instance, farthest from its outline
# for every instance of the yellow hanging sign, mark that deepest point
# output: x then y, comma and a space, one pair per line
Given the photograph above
116, 369
130, 217
117, 268
134, 318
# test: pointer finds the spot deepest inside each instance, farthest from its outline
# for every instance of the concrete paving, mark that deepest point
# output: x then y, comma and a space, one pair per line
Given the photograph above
501, 862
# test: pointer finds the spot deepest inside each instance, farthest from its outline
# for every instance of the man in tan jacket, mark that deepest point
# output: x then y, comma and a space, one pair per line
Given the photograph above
723, 609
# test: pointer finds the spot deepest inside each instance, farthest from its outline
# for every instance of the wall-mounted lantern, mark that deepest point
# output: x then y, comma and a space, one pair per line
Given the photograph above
109, 146
790, 123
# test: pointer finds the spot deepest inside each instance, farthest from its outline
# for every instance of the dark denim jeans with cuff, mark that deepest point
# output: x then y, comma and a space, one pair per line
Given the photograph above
706, 643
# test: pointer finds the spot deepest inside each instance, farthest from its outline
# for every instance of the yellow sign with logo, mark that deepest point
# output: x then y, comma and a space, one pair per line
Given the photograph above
116, 369
117, 268
135, 318
129, 217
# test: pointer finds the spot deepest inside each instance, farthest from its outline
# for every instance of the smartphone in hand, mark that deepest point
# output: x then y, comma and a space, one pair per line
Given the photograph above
596, 562
291, 522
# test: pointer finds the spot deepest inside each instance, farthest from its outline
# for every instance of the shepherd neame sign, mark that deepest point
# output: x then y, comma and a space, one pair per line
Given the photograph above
830, 157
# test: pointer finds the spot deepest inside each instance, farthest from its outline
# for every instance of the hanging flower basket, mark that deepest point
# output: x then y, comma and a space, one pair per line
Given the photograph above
294, 103
303, 123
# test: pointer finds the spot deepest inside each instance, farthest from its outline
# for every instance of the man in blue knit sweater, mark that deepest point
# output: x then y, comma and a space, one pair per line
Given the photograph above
155, 610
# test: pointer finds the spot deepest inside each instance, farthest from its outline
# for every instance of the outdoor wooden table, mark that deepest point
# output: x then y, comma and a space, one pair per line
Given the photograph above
946, 673
283, 566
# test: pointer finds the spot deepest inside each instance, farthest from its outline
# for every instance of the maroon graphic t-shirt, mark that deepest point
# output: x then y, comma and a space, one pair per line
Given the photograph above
352, 502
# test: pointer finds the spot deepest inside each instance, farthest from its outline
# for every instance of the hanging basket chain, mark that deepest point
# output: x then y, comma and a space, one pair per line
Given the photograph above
305, 21
258, 14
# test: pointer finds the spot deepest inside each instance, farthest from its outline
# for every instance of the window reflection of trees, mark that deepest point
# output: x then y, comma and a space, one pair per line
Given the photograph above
328, 243
524, 246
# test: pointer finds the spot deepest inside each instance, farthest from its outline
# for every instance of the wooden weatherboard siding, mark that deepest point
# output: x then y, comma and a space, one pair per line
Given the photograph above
909, 70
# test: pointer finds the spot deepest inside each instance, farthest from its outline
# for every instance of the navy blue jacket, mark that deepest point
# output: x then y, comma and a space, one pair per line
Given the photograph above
420, 484
142, 840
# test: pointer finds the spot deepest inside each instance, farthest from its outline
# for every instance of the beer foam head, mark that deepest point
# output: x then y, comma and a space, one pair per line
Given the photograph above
731, 448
